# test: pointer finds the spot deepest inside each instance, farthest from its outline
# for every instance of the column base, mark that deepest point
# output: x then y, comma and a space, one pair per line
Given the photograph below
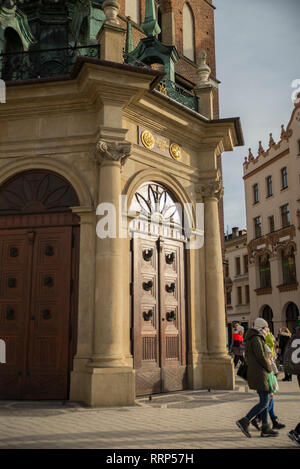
103, 386
212, 372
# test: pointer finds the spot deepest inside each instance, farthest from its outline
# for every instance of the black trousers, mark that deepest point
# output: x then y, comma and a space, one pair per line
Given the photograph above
238, 358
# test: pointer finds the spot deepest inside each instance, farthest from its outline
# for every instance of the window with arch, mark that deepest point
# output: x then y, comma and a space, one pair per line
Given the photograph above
12, 41
267, 315
264, 271
292, 316
133, 9
288, 266
154, 210
36, 191
188, 32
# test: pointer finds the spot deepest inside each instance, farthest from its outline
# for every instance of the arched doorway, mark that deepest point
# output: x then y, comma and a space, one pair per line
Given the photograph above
38, 271
292, 315
267, 315
158, 292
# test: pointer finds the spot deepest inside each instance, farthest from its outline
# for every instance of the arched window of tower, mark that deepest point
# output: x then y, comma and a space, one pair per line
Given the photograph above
12, 41
188, 32
133, 9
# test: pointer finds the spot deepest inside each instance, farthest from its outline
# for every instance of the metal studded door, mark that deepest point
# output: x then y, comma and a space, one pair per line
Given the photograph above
159, 332
35, 270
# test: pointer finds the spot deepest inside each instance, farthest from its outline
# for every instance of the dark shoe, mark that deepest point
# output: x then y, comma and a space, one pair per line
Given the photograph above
286, 379
267, 431
243, 425
277, 425
294, 436
255, 422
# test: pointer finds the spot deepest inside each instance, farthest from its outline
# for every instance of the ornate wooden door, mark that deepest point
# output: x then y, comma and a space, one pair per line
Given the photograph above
159, 332
35, 272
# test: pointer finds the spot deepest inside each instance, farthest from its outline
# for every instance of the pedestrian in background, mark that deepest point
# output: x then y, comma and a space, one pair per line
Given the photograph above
259, 367
283, 338
238, 348
273, 389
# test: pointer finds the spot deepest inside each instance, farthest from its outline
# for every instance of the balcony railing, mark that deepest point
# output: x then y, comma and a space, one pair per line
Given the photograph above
167, 87
43, 63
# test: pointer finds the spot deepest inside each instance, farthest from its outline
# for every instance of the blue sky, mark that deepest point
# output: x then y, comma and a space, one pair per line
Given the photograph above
257, 53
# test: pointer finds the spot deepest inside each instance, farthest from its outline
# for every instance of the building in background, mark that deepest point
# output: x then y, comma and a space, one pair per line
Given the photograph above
272, 193
237, 280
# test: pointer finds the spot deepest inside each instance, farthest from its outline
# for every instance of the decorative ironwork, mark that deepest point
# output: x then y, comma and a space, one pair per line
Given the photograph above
171, 316
154, 202
178, 93
13, 252
48, 282
11, 282
147, 254
47, 314
170, 258
167, 87
148, 315
49, 251
10, 314
43, 63
170, 288
147, 285
36, 191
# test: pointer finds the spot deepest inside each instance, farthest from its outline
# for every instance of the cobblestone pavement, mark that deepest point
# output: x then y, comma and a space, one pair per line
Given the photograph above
184, 420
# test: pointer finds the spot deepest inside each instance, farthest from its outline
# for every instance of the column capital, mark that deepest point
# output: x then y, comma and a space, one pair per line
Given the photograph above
211, 190
112, 152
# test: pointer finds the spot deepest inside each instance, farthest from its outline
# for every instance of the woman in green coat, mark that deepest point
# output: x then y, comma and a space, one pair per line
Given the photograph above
259, 367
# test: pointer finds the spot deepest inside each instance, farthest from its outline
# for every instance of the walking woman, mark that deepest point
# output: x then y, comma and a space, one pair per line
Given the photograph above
284, 335
259, 367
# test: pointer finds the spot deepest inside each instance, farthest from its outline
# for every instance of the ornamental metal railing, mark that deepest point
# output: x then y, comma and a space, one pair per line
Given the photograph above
43, 63
167, 87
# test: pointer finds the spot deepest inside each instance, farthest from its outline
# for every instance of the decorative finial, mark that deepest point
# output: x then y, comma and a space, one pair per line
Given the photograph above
271, 141
150, 26
283, 132
250, 157
203, 71
111, 10
260, 148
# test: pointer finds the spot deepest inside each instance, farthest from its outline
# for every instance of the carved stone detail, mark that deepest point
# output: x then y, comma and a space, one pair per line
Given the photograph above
272, 243
111, 10
213, 189
112, 151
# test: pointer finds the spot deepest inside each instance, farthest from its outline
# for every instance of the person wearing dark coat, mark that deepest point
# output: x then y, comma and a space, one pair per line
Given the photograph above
259, 367
283, 338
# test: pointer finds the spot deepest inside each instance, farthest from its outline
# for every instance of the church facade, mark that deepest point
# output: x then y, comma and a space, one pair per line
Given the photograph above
110, 188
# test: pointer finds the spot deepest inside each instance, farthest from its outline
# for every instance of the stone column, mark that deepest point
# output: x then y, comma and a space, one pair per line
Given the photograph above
112, 381
218, 370
108, 330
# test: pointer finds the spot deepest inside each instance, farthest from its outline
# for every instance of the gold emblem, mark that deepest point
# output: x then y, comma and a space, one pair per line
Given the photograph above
148, 140
175, 151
